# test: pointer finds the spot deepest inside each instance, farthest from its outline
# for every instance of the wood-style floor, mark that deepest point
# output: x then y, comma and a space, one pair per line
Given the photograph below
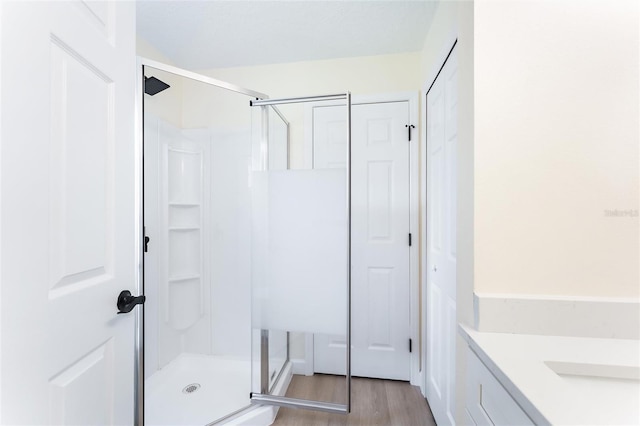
374, 402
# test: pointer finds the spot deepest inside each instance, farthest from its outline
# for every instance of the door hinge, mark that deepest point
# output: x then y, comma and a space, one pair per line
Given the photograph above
409, 239
410, 345
409, 127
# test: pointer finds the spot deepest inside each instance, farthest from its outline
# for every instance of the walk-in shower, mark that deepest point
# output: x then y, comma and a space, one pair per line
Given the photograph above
241, 253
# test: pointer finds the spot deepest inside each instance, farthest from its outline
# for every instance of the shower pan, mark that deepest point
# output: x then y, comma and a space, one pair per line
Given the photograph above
227, 279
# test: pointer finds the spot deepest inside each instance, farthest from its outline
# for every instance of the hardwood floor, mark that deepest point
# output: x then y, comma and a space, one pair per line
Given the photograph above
374, 402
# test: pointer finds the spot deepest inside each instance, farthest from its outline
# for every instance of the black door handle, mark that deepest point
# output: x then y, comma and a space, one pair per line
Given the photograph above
126, 302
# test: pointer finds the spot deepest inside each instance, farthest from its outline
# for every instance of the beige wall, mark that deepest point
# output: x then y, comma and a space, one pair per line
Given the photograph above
442, 32
360, 75
556, 146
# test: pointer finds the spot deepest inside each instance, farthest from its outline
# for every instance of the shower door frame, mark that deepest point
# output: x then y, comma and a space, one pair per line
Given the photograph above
283, 401
261, 99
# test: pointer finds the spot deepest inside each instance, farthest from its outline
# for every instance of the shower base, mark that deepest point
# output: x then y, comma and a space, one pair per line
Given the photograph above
224, 387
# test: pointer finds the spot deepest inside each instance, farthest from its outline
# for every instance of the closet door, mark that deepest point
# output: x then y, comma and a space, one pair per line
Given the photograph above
441, 172
67, 212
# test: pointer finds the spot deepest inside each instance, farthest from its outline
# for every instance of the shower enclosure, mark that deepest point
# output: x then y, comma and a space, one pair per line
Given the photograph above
242, 254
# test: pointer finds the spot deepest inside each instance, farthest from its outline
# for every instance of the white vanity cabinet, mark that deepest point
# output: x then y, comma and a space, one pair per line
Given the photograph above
487, 401
523, 379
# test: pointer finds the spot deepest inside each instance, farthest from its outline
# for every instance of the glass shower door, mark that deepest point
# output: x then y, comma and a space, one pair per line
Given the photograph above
197, 277
243, 255
300, 266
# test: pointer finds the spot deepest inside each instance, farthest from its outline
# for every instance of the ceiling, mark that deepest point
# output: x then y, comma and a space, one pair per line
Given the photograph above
215, 33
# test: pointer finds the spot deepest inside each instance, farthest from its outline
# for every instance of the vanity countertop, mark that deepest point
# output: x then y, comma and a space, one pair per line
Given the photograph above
565, 380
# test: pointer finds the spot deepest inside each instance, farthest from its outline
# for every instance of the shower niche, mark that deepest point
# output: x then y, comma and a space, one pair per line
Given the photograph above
228, 281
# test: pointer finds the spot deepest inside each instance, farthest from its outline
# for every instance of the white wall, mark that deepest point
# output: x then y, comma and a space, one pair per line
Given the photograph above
556, 146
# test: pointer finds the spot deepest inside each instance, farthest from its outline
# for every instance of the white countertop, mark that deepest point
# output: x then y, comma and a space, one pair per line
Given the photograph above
596, 381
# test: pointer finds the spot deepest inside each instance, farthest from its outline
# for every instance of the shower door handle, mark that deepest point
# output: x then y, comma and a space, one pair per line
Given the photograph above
126, 302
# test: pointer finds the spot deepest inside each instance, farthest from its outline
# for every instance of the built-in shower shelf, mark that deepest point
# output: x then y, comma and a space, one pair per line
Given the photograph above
186, 277
184, 204
184, 228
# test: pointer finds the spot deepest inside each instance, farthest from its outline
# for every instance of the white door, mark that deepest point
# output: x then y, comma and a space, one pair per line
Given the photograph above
67, 212
441, 172
380, 237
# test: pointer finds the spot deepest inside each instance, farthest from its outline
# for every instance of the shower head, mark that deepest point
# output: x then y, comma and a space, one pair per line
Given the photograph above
153, 86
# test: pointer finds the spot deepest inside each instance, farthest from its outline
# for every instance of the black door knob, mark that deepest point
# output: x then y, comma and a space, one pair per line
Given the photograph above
126, 302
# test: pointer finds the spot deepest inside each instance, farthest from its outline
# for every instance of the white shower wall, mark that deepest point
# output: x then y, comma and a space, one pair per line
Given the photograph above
197, 204
229, 236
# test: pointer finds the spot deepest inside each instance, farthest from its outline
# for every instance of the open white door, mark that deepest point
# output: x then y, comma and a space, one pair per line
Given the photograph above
441, 144
67, 212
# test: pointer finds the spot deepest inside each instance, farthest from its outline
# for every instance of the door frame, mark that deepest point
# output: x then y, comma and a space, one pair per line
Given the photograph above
414, 218
139, 207
434, 72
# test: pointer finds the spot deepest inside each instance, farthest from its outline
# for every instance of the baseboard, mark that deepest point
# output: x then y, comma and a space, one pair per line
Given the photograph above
301, 367
617, 318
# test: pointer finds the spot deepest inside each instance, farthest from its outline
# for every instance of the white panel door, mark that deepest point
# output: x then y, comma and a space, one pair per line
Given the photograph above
67, 217
380, 238
329, 141
441, 172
